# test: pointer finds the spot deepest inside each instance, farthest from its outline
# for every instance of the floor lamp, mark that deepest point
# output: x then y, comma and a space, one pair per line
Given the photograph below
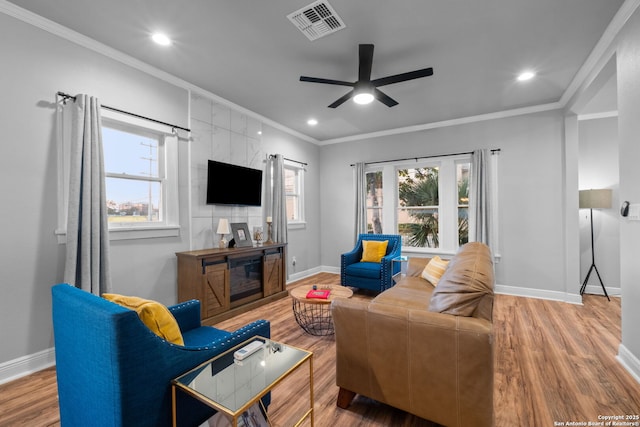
594, 199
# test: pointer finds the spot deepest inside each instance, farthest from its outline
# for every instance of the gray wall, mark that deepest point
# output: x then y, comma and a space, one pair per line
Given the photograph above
628, 70
598, 168
36, 65
530, 197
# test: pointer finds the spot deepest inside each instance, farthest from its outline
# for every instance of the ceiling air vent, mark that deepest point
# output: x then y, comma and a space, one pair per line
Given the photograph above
316, 20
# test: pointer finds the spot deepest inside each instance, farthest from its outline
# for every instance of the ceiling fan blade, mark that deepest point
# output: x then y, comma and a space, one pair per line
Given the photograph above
326, 81
366, 60
342, 100
397, 78
385, 99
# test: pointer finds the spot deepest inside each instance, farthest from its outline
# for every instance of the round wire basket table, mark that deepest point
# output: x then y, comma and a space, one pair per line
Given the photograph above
314, 314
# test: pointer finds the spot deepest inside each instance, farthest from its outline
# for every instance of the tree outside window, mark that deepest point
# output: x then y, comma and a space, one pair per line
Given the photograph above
462, 178
418, 206
374, 202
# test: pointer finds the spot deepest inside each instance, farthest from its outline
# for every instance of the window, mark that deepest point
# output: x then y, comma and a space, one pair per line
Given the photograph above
141, 168
374, 202
141, 178
294, 190
134, 170
418, 205
462, 178
431, 202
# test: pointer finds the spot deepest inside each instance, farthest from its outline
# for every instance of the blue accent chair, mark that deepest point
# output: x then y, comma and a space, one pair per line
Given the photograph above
113, 371
371, 275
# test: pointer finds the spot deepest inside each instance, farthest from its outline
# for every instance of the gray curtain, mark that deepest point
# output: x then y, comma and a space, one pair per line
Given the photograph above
361, 200
87, 258
481, 227
277, 198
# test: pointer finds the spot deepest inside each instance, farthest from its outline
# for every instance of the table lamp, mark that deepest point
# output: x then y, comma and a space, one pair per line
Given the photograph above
223, 228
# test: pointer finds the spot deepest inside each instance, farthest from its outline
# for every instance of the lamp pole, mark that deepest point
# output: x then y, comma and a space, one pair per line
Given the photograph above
593, 263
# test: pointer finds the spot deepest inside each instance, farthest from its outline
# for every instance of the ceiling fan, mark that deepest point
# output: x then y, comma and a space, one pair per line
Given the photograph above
366, 90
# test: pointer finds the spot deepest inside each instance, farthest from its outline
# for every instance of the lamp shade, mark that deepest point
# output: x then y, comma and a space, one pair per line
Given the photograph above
595, 199
223, 226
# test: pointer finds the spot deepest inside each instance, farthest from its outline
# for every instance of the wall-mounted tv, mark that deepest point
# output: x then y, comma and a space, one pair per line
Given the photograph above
229, 184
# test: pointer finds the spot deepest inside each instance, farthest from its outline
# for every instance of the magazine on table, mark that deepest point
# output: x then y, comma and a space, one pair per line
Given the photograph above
319, 293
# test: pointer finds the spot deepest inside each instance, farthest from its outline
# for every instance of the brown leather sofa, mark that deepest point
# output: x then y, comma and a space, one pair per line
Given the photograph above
425, 350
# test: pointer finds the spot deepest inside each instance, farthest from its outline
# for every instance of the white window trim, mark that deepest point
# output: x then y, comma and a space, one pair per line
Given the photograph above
448, 188
301, 222
170, 227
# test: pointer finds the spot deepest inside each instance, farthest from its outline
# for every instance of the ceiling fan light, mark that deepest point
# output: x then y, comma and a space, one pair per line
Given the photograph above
363, 98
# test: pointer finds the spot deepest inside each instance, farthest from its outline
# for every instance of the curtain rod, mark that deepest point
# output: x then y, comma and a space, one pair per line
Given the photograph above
291, 160
493, 151
66, 96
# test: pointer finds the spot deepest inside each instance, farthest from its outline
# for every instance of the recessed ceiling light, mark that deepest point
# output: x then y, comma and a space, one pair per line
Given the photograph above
161, 39
312, 122
526, 75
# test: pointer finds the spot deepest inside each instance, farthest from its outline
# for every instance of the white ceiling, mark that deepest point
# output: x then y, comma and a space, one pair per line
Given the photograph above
249, 53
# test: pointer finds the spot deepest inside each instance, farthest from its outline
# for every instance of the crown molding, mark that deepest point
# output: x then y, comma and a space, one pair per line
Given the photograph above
596, 60
91, 44
595, 116
447, 123
600, 55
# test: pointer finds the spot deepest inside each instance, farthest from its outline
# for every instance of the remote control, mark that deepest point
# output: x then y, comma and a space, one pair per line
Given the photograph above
248, 350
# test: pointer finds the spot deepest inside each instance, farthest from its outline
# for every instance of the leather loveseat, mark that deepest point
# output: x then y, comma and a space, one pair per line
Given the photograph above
423, 349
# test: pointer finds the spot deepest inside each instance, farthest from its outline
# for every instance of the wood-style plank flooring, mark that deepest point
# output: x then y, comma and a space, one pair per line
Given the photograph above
555, 363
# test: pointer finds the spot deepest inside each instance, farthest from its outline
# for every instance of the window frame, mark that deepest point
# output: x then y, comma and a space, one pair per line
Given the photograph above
299, 171
170, 226
448, 198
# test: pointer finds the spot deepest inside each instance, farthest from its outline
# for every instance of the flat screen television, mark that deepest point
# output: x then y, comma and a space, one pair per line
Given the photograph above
229, 184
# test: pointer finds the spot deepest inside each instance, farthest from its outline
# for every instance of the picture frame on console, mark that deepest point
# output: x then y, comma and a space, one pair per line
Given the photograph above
241, 234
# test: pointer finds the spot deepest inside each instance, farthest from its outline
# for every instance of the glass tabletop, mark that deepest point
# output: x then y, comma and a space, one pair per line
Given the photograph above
232, 385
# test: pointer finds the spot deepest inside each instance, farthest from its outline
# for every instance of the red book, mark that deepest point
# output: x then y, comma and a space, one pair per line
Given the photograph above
319, 293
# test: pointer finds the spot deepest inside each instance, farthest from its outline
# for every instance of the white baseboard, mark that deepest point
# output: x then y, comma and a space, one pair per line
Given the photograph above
629, 361
539, 293
597, 290
25, 365
308, 273
29, 364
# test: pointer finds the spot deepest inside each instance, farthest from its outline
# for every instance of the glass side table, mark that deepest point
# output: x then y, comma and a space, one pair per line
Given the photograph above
401, 259
234, 387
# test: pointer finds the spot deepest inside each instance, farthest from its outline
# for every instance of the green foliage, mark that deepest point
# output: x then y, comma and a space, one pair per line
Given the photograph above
419, 187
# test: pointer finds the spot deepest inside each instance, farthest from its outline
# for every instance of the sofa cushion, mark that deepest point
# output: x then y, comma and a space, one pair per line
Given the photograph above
373, 250
434, 270
154, 315
370, 270
466, 287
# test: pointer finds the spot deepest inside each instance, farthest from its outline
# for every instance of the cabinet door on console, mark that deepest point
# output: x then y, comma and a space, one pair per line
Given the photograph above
216, 290
272, 274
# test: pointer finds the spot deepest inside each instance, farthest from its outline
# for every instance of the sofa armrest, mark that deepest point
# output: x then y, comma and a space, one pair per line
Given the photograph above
187, 314
351, 257
416, 265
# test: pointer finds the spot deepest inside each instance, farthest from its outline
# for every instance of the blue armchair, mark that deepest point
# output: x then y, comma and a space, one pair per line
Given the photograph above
371, 275
113, 371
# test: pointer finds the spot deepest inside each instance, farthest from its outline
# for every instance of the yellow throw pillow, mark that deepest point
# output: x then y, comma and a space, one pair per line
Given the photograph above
373, 250
434, 270
156, 316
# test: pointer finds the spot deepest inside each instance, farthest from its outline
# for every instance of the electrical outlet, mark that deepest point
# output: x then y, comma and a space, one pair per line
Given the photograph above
293, 260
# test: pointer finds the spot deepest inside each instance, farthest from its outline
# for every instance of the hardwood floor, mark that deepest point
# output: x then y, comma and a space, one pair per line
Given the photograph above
555, 363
